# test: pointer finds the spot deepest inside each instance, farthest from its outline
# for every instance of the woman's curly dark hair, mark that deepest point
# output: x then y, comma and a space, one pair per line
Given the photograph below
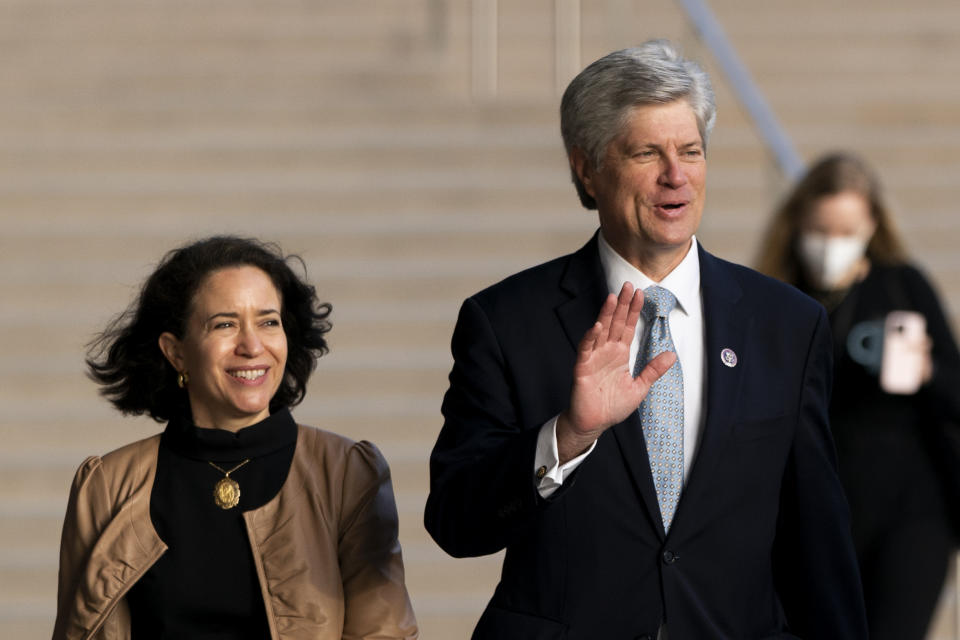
126, 359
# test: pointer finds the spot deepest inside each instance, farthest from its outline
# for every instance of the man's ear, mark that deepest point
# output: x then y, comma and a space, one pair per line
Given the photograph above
172, 350
583, 169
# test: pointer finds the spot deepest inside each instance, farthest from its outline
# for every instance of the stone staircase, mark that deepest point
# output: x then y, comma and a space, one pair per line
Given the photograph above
347, 132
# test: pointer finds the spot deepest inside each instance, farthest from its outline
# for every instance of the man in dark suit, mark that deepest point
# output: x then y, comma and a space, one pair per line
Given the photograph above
642, 425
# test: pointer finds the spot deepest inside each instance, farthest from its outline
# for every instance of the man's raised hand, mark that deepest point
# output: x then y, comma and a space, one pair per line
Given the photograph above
604, 390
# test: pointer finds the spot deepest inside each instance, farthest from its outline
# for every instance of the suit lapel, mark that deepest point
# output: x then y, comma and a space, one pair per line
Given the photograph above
585, 283
633, 447
727, 326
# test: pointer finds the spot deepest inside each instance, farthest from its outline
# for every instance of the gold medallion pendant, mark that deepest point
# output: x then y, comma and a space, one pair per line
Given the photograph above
226, 493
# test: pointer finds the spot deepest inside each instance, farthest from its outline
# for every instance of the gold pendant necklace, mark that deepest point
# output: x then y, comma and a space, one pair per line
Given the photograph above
226, 493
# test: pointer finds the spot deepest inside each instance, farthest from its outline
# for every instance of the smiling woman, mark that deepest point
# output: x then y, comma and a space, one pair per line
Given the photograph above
295, 527
235, 347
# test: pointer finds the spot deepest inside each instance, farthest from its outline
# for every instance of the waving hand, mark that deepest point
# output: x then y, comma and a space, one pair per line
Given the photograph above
604, 390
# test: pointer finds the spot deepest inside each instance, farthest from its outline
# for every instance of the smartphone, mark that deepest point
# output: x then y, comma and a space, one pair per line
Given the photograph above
904, 352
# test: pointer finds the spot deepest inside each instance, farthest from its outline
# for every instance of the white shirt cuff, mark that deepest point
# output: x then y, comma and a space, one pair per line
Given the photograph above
547, 470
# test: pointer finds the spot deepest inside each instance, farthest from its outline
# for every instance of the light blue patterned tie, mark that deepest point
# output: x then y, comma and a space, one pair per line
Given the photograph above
661, 412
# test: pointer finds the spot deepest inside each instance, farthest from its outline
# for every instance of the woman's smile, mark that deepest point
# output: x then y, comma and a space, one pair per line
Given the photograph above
234, 349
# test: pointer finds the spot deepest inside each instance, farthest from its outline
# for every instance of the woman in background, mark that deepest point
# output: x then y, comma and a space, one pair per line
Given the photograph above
833, 238
235, 522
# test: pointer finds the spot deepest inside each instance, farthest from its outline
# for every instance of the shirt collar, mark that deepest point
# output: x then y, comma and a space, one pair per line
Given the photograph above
683, 282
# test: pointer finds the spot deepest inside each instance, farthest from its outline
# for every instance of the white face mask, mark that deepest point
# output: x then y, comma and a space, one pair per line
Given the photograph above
829, 259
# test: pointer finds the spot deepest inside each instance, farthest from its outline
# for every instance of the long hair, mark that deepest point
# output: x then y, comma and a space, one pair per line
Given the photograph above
831, 174
125, 359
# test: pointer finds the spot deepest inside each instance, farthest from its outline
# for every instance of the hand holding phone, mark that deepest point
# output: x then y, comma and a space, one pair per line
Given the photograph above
905, 365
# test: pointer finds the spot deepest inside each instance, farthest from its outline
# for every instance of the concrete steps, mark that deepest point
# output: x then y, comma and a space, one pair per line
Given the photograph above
347, 132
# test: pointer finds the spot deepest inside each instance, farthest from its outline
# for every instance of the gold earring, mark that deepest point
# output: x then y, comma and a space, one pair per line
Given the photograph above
183, 379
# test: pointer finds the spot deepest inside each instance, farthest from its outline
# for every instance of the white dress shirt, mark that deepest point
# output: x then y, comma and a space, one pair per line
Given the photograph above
686, 328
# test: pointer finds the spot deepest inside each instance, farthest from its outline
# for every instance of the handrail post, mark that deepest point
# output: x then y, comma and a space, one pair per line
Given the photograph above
566, 42
483, 48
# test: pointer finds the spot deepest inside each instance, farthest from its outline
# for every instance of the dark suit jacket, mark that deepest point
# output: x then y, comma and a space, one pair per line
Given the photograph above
760, 544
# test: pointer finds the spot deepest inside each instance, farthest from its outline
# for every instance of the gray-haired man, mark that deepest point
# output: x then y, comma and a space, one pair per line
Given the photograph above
642, 425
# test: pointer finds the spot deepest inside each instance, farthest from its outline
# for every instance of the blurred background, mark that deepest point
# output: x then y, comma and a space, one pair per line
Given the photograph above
409, 150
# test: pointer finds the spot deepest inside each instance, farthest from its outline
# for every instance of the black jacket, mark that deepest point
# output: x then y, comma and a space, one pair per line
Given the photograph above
760, 544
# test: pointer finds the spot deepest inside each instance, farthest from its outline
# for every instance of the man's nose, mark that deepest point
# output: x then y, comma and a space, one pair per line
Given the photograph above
672, 173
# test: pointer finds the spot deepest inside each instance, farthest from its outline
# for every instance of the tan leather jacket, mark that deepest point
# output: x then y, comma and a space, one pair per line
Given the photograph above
325, 547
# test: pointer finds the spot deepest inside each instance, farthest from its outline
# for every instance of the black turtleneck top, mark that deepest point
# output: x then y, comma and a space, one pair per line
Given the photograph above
205, 586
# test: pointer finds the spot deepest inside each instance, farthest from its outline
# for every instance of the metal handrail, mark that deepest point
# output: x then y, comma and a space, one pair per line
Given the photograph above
776, 139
